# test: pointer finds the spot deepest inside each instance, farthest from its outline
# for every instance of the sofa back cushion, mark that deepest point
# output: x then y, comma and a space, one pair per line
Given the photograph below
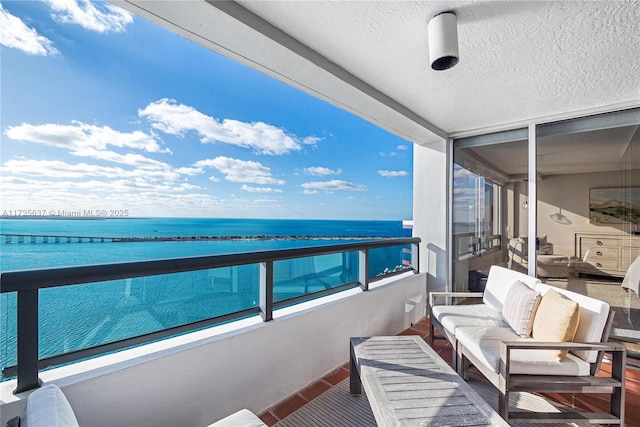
593, 319
500, 281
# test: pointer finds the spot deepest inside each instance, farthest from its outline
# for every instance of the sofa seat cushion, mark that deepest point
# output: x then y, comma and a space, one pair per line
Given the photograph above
485, 343
452, 317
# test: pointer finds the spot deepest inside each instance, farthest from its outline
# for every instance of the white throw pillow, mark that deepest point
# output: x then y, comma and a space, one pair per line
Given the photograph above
520, 308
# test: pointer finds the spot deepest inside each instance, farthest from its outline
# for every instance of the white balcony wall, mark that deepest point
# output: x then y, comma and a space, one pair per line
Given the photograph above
201, 377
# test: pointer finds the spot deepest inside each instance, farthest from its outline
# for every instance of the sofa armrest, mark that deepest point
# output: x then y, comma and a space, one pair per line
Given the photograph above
618, 351
434, 295
541, 345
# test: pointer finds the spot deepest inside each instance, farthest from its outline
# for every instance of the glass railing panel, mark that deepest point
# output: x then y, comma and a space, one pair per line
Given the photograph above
389, 260
84, 316
297, 277
8, 330
86, 311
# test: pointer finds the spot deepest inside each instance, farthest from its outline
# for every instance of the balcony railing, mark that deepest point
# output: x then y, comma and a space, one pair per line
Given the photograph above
257, 282
469, 245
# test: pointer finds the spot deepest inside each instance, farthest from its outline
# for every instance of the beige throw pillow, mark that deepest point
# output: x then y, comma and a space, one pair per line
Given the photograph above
556, 320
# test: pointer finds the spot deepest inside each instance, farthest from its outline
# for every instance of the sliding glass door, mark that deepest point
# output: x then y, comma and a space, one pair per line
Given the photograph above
588, 212
574, 223
478, 219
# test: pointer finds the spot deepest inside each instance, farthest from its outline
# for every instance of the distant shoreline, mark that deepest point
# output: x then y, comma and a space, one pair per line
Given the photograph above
103, 218
261, 237
8, 238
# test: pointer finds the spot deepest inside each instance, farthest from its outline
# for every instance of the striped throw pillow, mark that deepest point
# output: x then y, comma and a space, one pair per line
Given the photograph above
520, 308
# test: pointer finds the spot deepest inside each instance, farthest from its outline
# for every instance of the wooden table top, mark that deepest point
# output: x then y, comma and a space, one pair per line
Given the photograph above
408, 384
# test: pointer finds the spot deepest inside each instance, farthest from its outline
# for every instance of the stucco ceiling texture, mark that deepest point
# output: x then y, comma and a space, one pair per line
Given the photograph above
519, 60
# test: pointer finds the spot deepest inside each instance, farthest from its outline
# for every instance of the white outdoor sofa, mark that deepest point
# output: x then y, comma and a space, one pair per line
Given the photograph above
48, 407
495, 336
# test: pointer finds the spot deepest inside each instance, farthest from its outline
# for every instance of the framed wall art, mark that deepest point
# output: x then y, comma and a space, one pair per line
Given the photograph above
615, 205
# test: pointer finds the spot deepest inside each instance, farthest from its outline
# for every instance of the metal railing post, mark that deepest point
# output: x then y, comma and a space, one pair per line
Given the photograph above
27, 325
266, 290
363, 269
415, 257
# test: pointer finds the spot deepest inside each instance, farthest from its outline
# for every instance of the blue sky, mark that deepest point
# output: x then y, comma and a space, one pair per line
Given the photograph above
102, 110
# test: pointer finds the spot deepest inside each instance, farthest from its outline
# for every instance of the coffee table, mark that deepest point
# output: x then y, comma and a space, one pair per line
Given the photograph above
408, 384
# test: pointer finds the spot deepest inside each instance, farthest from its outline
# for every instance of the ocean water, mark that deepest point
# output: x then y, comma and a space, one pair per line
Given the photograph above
16, 256
87, 315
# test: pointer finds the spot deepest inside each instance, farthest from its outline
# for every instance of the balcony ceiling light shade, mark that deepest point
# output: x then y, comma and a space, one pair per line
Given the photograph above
443, 41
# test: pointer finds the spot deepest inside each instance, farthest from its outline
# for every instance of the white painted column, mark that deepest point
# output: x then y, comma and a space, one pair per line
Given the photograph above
431, 165
533, 200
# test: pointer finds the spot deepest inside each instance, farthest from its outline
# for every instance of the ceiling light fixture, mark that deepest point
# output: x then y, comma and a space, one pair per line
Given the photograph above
443, 41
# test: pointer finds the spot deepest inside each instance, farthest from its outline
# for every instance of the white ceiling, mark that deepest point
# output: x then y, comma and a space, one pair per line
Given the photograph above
593, 151
519, 60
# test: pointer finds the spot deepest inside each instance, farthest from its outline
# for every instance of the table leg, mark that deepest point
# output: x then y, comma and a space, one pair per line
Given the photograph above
354, 374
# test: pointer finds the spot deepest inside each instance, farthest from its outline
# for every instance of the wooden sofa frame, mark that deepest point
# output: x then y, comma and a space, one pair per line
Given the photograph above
508, 383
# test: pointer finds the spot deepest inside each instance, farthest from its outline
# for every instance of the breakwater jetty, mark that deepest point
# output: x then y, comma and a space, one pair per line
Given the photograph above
11, 238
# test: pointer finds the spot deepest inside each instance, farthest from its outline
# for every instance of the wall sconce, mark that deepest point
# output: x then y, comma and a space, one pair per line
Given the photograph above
525, 204
443, 41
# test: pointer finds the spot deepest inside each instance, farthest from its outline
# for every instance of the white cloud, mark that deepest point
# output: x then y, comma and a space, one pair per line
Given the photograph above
311, 140
107, 19
322, 171
85, 140
460, 172
139, 199
392, 174
58, 169
79, 135
249, 189
123, 186
331, 186
189, 171
464, 191
177, 119
15, 34
131, 159
402, 147
240, 170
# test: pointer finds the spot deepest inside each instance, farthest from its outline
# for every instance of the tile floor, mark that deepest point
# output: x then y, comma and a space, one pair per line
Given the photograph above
442, 347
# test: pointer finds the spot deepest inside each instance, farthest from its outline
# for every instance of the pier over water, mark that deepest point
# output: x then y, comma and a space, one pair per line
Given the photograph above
11, 238
40, 238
